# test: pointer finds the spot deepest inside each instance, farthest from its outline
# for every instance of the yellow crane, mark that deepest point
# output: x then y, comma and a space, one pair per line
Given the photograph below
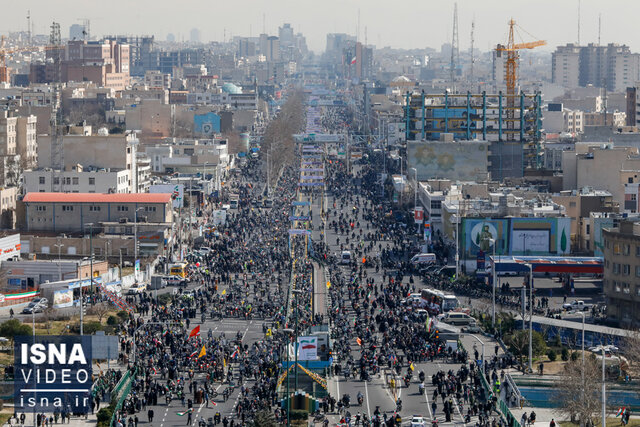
511, 69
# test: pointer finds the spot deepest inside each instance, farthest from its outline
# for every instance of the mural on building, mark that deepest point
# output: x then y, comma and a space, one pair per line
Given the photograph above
206, 124
516, 236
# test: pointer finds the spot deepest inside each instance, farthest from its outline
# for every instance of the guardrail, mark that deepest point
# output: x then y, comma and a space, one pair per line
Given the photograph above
120, 393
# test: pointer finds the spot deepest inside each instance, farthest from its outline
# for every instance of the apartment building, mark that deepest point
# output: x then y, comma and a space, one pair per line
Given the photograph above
70, 212
622, 273
78, 180
26, 141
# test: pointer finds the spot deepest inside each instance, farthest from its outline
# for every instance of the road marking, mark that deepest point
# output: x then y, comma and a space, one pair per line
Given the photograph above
366, 393
455, 402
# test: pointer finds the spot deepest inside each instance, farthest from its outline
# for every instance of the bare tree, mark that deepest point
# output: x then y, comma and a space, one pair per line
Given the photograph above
100, 310
579, 390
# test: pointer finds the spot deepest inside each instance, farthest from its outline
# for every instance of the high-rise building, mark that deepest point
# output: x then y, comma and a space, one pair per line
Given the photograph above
285, 33
364, 61
194, 35
270, 47
246, 48
77, 32
613, 66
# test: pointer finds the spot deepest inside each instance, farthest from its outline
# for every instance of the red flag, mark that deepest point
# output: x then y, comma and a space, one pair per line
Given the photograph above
195, 332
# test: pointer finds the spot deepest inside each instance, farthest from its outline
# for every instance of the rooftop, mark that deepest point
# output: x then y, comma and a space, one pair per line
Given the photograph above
34, 197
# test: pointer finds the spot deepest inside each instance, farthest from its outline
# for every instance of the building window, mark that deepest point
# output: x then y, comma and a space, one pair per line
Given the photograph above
150, 208
67, 208
616, 249
56, 180
76, 180
627, 249
41, 208
41, 180
616, 268
616, 286
436, 204
638, 271
123, 208
94, 208
626, 269
626, 288
92, 181
588, 228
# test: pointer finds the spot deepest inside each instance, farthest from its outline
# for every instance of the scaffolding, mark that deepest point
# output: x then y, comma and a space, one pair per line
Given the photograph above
485, 117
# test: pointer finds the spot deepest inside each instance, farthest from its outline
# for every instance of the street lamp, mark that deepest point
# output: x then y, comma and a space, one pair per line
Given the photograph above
59, 246
530, 317
493, 310
135, 235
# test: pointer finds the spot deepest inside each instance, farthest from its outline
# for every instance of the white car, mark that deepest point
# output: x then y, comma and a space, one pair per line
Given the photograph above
138, 288
417, 421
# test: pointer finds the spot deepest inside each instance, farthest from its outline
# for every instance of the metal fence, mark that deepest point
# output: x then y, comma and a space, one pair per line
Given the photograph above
121, 391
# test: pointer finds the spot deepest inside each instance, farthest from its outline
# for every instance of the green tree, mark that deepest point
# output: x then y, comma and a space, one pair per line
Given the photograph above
518, 343
14, 328
263, 419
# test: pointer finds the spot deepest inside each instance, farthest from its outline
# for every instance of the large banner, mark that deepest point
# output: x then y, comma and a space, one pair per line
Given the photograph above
307, 348
418, 215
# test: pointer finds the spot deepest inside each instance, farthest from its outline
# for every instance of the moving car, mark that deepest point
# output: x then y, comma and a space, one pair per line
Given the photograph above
418, 421
423, 258
345, 257
577, 305
458, 318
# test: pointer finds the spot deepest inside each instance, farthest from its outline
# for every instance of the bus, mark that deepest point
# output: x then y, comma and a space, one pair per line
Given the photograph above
179, 269
444, 302
234, 201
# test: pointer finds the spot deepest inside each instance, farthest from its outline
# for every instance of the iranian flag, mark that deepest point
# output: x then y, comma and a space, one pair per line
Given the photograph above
353, 60
183, 413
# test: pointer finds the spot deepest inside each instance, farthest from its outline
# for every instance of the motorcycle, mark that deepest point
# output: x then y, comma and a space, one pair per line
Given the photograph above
421, 389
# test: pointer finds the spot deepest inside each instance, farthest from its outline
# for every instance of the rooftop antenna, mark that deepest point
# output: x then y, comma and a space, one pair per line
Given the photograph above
579, 1
455, 53
599, 26
358, 27
29, 25
473, 27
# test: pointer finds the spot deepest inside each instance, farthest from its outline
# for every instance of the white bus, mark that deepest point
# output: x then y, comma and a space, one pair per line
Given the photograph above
446, 302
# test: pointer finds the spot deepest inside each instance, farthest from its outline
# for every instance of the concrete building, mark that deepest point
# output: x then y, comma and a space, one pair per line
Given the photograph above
70, 212
188, 156
622, 273
8, 134
558, 119
26, 141
78, 180
112, 152
579, 204
611, 66
154, 79
8, 200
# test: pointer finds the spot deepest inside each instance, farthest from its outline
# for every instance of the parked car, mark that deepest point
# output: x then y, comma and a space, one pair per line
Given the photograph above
137, 288
176, 281
36, 306
577, 305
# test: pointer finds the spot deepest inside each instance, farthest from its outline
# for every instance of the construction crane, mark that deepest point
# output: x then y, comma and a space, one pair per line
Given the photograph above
511, 67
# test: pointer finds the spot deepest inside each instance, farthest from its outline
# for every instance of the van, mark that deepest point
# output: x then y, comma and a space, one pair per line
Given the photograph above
423, 258
233, 203
458, 318
345, 258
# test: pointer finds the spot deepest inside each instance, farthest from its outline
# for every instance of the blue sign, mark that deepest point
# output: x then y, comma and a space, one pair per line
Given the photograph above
206, 124
52, 373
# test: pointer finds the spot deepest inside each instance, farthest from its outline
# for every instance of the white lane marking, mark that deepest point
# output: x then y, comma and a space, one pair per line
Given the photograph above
426, 398
455, 402
366, 393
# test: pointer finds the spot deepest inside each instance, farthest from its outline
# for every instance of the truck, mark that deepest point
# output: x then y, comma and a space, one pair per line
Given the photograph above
577, 305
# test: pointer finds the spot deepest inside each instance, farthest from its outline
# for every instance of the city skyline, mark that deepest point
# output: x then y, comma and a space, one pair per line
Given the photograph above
383, 23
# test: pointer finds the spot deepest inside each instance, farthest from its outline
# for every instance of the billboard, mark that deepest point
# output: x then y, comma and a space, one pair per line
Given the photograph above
206, 124
63, 298
464, 161
516, 236
418, 214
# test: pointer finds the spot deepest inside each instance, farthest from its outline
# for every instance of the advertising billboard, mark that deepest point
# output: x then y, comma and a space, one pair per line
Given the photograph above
63, 298
465, 161
176, 191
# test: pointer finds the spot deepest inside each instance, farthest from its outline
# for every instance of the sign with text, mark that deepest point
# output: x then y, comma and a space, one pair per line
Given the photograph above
52, 373
418, 215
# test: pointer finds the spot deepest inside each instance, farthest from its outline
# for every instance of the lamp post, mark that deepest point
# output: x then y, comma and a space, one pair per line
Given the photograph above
493, 309
530, 317
135, 235
482, 344
59, 246
582, 371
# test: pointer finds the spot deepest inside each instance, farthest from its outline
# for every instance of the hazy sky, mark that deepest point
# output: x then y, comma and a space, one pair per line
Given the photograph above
396, 23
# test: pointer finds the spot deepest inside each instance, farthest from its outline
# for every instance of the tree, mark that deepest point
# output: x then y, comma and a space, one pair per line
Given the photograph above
263, 419
100, 310
13, 328
579, 391
518, 343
